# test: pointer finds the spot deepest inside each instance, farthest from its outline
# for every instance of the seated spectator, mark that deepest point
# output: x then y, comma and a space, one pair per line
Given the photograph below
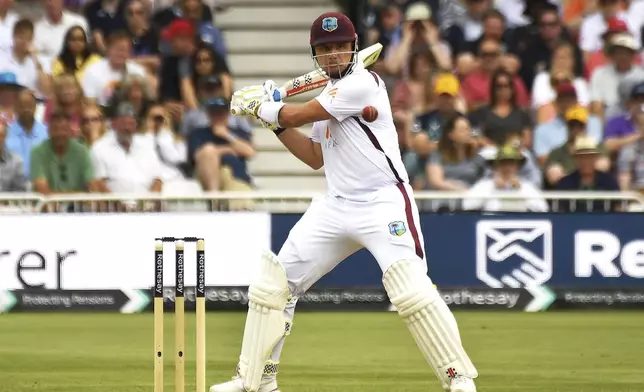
68, 98
505, 180
476, 86
598, 58
560, 161
206, 62
9, 89
554, 133
104, 17
61, 164
23, 61
624, 88
135, 90
418, 32
502, 118
9, 19
562, 70
145, 39
75, 56
125, 161
455, 165
467, 24
93, 125
429, 129
529, 170
101, 78
625, 129
587, 178
384, 26
25, 133
170, 146
605, 80
219, 145
50, 30
415, 92
630, 164
12, 175
596, 24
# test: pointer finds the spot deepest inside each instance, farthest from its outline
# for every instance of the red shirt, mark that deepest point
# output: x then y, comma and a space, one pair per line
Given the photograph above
476, 89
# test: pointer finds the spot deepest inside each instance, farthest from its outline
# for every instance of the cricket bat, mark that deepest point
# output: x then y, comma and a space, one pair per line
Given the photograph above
314, 79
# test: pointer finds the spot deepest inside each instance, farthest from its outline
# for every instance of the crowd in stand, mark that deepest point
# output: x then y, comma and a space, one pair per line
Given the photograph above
117, 96
513, 95
516, 95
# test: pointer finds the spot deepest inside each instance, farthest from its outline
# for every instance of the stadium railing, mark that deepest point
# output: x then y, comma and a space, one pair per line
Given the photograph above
291, 202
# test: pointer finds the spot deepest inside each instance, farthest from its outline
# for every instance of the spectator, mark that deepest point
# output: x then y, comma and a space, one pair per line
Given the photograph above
135, 90
75, 56
104, 17
50, 30
605, 80
206, 62
455, 165
415, 93
624, 88
67, 98
630, 165
598, 58
12, 176
418, 33
469, 26
125, 162
624, 130
587, 178
388, 24
101, 78
61, 164
596, 24
24, 62
560, 161
535, 50
476, 86
8, 19
505, 181
562, 70
9, 88
217, 146
25, 132
429, 128
145, 39
554, 133
170, 146
502, 118
529, 171
93, 125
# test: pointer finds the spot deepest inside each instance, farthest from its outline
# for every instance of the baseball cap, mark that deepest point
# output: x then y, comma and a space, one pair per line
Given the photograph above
637, 90
566, 89
178, 28
218, 104
585, 145
624, 40
577, 113
447, 84
418, 11
615, 25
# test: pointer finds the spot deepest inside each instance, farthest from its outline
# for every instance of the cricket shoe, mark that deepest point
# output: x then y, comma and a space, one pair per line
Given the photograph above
459, 384
237, 385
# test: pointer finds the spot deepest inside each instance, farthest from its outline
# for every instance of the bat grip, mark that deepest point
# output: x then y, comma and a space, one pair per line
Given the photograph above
279, 94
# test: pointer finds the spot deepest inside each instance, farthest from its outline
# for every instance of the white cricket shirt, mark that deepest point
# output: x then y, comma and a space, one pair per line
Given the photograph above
359, 157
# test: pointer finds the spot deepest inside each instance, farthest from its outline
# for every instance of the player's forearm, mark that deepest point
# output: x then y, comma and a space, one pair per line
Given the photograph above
302, 147
293, 116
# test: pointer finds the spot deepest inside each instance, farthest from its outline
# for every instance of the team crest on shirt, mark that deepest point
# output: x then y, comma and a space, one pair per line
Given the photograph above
329, 24
397, 228
329, 140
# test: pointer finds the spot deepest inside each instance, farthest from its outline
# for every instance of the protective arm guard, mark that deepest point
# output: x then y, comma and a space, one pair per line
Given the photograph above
429, 320
265, 323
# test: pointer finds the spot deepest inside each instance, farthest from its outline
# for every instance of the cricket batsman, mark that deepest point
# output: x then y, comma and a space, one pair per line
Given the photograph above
369, 204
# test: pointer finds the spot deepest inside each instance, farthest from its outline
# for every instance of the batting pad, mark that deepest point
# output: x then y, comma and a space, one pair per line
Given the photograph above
429, 320
265, 323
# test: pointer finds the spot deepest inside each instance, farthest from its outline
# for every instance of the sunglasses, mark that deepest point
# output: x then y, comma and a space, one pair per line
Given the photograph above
553, 23
204, 60
77, 38
490, 54
87, 120
502, 85
135, 11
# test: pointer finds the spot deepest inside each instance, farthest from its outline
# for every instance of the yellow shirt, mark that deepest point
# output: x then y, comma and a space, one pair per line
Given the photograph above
58, 68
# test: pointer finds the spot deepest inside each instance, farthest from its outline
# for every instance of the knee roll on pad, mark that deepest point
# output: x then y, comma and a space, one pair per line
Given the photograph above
429, 320
265, 323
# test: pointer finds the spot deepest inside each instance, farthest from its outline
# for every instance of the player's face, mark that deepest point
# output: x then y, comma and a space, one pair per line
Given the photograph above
335, 58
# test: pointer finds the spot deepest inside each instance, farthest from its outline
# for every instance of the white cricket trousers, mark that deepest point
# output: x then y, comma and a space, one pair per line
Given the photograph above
333, 228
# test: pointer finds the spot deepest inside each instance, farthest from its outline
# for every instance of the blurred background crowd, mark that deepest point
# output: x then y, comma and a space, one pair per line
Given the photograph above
132, 96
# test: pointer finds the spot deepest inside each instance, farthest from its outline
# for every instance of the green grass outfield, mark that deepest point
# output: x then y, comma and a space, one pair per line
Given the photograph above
542, 352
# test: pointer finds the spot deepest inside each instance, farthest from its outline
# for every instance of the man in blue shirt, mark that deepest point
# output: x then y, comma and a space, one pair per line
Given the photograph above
25, 132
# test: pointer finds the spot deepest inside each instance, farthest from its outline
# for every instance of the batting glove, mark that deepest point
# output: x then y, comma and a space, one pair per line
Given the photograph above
246, 102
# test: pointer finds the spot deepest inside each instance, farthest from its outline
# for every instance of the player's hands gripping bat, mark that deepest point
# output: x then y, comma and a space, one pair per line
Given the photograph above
315, 79
247, 101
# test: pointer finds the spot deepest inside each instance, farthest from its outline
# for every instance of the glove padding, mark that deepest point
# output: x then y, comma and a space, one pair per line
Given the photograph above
247, 101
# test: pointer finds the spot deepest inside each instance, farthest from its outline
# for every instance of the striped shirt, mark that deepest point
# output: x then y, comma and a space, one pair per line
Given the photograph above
12, 177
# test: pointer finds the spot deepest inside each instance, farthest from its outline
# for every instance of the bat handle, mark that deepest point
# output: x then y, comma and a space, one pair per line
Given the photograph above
279, 94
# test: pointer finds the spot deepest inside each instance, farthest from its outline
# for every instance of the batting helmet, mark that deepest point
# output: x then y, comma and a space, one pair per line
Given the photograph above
332, 27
